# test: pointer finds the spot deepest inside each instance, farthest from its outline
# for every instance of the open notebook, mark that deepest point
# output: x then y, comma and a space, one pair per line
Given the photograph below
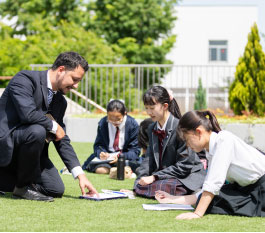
112, 156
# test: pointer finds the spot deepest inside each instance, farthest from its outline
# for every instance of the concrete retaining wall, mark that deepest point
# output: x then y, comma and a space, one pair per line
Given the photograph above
85, 130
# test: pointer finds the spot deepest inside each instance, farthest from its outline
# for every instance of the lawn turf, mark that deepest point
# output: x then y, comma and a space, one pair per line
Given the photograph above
73, 214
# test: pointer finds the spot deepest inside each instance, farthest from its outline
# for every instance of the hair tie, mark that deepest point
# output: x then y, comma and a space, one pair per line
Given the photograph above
170, 93
117, 99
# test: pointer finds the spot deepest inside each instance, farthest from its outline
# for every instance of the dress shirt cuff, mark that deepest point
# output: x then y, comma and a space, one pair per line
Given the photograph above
54, 127
76, 171
213, 190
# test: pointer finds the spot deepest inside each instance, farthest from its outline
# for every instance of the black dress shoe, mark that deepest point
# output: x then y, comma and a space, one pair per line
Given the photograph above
30, 193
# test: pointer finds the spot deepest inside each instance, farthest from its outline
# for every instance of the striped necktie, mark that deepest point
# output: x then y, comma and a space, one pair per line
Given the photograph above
116, 140
50, 95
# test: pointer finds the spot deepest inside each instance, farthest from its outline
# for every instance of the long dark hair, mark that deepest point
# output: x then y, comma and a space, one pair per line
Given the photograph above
116, 105
193, 119
158, 94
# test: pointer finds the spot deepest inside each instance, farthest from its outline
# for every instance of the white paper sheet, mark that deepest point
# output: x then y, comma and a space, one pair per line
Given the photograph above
167, 207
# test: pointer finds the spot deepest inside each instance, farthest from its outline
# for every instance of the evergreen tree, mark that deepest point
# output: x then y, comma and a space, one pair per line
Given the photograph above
247, 92
200, 97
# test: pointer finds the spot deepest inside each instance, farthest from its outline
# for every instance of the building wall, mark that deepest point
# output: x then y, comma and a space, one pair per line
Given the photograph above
196, 25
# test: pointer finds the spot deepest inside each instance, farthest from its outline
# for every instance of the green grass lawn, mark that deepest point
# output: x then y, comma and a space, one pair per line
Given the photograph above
72, 214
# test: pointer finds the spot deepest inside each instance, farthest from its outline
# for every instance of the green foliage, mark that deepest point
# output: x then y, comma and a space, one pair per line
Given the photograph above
247, 92
44, 47
200, 97
30, 12
136, 27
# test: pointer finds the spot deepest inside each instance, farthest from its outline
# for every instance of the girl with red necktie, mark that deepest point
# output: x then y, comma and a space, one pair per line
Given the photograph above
117, 133
168, 164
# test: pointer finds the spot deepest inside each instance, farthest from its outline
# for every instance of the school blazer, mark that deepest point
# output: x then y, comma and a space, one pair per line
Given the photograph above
131, 150
178, 161
23, 102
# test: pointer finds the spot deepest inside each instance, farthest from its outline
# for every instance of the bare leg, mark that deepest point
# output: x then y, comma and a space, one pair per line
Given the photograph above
102, 170
164, 197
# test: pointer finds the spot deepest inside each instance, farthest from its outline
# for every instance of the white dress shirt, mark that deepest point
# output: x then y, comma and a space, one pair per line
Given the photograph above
112, 133
76, 171
165, 124
231, 159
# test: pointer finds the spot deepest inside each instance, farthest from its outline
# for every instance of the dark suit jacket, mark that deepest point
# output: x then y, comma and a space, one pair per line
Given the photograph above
177, 160
23, 102
130, 150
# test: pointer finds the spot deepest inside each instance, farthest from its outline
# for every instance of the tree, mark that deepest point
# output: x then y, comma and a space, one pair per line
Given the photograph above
30, 11
247, 92
141, 29
200, 97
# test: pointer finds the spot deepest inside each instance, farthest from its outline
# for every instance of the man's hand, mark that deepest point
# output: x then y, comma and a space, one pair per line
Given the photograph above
59, 133
146, 180
103, 155
85, 183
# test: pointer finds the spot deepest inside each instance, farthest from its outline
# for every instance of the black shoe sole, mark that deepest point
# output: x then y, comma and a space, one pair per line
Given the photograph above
19, 197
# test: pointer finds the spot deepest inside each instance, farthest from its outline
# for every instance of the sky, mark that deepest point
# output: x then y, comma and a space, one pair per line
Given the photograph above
259, 3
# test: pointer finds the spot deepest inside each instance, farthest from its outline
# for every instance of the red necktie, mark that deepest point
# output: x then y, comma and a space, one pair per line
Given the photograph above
116, 140
161, 134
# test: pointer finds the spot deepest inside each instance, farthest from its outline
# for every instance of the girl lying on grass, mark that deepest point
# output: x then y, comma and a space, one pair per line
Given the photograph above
231, 159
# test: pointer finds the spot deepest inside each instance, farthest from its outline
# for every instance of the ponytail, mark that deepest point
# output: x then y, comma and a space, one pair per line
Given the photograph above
214, 123
173, 108
193, 119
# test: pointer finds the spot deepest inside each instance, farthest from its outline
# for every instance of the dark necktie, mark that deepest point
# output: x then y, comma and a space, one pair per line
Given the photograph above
50, 95
161, 134
116, 140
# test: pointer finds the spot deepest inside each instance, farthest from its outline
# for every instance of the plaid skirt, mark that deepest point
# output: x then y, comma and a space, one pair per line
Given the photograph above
234, 199
171, 186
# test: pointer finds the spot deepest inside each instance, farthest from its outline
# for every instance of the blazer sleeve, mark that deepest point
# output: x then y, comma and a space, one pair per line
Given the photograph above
187, 162
147, 166
21, 92
64, 147
99, 144
132, 150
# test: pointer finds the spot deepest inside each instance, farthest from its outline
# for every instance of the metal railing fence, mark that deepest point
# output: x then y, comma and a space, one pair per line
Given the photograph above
103, 82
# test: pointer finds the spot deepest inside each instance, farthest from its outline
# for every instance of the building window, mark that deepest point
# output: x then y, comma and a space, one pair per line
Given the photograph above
217, 50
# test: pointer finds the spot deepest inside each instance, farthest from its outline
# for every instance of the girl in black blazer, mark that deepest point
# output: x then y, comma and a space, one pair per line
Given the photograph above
169, 165
117, 133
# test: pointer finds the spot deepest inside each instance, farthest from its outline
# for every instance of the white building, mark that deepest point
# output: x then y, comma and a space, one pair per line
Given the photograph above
210, 40
209, 35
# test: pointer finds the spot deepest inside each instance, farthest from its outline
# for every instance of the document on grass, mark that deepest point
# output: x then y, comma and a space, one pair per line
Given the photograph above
111, 157
167, 207
106, 196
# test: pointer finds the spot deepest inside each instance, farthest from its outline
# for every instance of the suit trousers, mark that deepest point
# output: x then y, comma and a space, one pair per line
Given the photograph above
30, 164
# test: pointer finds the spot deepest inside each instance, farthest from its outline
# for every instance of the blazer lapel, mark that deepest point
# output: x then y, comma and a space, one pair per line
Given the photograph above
44, 87
155, 146
105, 132
126, 135
169, 129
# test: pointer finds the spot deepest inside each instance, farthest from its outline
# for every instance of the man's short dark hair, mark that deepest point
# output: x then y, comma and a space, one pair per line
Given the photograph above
70, 60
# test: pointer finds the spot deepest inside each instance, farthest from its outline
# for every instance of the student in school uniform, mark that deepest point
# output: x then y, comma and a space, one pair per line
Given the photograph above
231, 159
168, 164
143, 135
117, 132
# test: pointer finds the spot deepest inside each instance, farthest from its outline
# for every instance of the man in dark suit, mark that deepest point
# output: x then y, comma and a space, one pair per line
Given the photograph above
25, 167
